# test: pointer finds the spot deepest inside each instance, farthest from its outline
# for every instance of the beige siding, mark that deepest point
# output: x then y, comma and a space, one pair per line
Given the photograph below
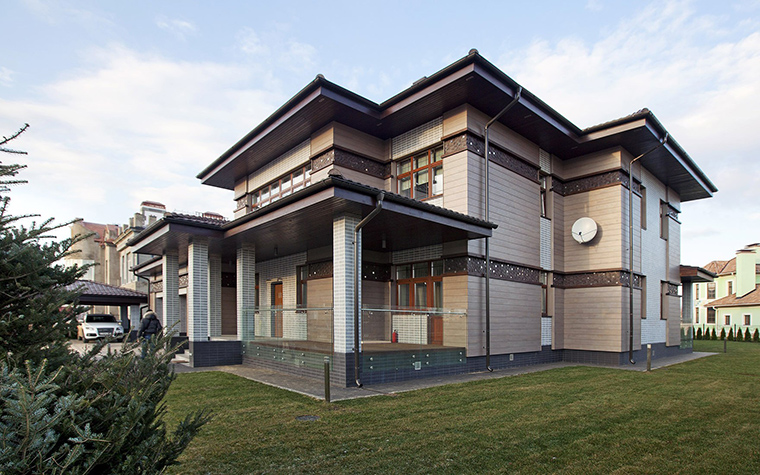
455, 120
515, 317
351, 139
591, 164
321, 140
502, 136
455, 182
229, 311
558, 232
375, 294
455, 299
358, 177
593, 318
241, 187
319, 323
674, 320
558, 320
607, 249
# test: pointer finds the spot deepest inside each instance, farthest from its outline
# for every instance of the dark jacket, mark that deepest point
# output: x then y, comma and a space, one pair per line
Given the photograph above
150, 325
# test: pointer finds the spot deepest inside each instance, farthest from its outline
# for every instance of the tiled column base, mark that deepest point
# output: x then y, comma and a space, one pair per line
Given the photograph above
215, 353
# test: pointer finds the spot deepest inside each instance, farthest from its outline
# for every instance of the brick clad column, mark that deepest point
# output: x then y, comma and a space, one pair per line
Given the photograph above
215, 295
343, 283
171, 292
197, 290
246, 289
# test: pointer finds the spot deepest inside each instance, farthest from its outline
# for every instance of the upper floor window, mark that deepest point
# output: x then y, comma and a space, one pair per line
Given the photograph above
696, 291
421, 176
730, 287
544, 208
711, 290
280, 188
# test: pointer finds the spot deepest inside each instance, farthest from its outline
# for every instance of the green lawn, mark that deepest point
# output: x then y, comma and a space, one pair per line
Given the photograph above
698, 417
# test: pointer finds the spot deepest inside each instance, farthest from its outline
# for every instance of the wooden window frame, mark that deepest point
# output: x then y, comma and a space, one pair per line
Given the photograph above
727, 319
255, 199
430, 167
730, 287
747, 319
711, 316
429, 280
711, 290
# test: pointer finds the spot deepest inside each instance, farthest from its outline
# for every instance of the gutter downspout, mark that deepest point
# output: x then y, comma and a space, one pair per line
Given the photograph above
515, 99
357, 272
630, 245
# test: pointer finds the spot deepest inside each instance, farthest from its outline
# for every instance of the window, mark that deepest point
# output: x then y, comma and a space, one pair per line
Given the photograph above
711, 316
696, 315
730, 287
663, 220
420, 284
278, 189
256, 290
421, 176
696, 291
303, 275
544, 211
663, 300
747, 320
728, 319
643, 298
711, 290
544, 293
643, 208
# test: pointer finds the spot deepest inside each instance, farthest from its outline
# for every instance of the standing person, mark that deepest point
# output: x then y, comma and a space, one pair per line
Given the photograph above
150, 326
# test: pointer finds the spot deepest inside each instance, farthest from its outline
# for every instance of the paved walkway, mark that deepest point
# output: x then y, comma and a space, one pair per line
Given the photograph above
316, 388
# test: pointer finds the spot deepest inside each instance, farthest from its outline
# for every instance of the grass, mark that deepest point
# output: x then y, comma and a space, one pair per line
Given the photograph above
697, 417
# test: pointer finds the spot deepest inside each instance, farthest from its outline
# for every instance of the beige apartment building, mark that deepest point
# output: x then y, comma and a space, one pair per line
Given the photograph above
362, 233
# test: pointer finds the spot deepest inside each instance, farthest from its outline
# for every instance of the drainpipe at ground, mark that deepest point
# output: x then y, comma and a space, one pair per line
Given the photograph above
488, 251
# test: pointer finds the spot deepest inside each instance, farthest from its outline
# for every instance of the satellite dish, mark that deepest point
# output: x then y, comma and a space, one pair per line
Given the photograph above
584, 230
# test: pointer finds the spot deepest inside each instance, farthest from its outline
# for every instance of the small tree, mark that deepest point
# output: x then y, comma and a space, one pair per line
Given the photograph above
61, 412
699, 333
722, 333
747, 335
756, 336
730, 335
712, 334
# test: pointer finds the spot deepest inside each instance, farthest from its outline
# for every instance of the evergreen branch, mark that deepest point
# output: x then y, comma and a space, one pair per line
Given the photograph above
8, 139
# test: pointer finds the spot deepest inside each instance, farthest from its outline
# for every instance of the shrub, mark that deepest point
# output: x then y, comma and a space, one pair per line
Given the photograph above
722, 333
756, 336
730, 336
713, 336
747, 335
699, 333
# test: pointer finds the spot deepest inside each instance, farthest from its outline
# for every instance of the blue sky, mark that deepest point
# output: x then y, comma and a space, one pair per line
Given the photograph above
128, 101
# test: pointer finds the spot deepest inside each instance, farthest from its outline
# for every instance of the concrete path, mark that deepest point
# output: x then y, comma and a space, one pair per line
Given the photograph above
316, 388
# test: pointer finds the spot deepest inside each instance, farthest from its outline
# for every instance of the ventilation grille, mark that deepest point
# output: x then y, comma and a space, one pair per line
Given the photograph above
418, 138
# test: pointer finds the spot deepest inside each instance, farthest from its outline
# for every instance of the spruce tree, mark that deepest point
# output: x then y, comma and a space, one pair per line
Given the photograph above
62, 412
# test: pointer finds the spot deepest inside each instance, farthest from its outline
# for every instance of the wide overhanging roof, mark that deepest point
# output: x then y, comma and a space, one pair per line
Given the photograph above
471, 80
97, 293
304, 221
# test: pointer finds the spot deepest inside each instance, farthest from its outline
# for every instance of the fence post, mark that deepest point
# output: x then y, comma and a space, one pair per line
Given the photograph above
327, 379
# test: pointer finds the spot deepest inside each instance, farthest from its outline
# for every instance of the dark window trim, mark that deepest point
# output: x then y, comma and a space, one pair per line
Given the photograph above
430, 167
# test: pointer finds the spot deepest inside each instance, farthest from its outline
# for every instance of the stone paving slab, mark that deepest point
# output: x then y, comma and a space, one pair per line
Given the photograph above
315, 388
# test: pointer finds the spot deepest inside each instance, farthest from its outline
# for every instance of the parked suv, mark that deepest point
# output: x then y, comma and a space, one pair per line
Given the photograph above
99, 325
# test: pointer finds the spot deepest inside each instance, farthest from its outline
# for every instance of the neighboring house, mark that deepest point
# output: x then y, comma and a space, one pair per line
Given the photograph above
283, 286
98, 249
732, 301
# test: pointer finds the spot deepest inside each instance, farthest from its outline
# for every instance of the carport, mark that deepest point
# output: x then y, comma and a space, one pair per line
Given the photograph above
96, 293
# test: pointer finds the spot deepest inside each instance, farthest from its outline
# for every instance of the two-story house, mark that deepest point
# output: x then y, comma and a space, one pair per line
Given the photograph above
732, 300
362, 233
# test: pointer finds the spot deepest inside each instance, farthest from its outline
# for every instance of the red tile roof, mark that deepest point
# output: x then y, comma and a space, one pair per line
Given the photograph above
750, 299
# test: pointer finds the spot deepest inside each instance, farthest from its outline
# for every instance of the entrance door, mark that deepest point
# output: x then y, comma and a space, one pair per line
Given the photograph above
277, 303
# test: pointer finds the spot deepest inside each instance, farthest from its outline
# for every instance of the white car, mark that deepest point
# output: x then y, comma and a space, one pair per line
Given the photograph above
99, 325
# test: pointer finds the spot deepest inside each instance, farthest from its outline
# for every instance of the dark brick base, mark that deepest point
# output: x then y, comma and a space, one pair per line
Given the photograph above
215, 353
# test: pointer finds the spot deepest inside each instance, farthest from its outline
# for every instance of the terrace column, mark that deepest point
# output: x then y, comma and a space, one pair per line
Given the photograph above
214, 295
197, 290
343, 282
171, 291
246, 290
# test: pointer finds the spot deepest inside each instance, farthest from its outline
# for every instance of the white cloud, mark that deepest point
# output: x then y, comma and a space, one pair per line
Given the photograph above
57, 12
179, 28
6, 76
132, 127
708, 97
